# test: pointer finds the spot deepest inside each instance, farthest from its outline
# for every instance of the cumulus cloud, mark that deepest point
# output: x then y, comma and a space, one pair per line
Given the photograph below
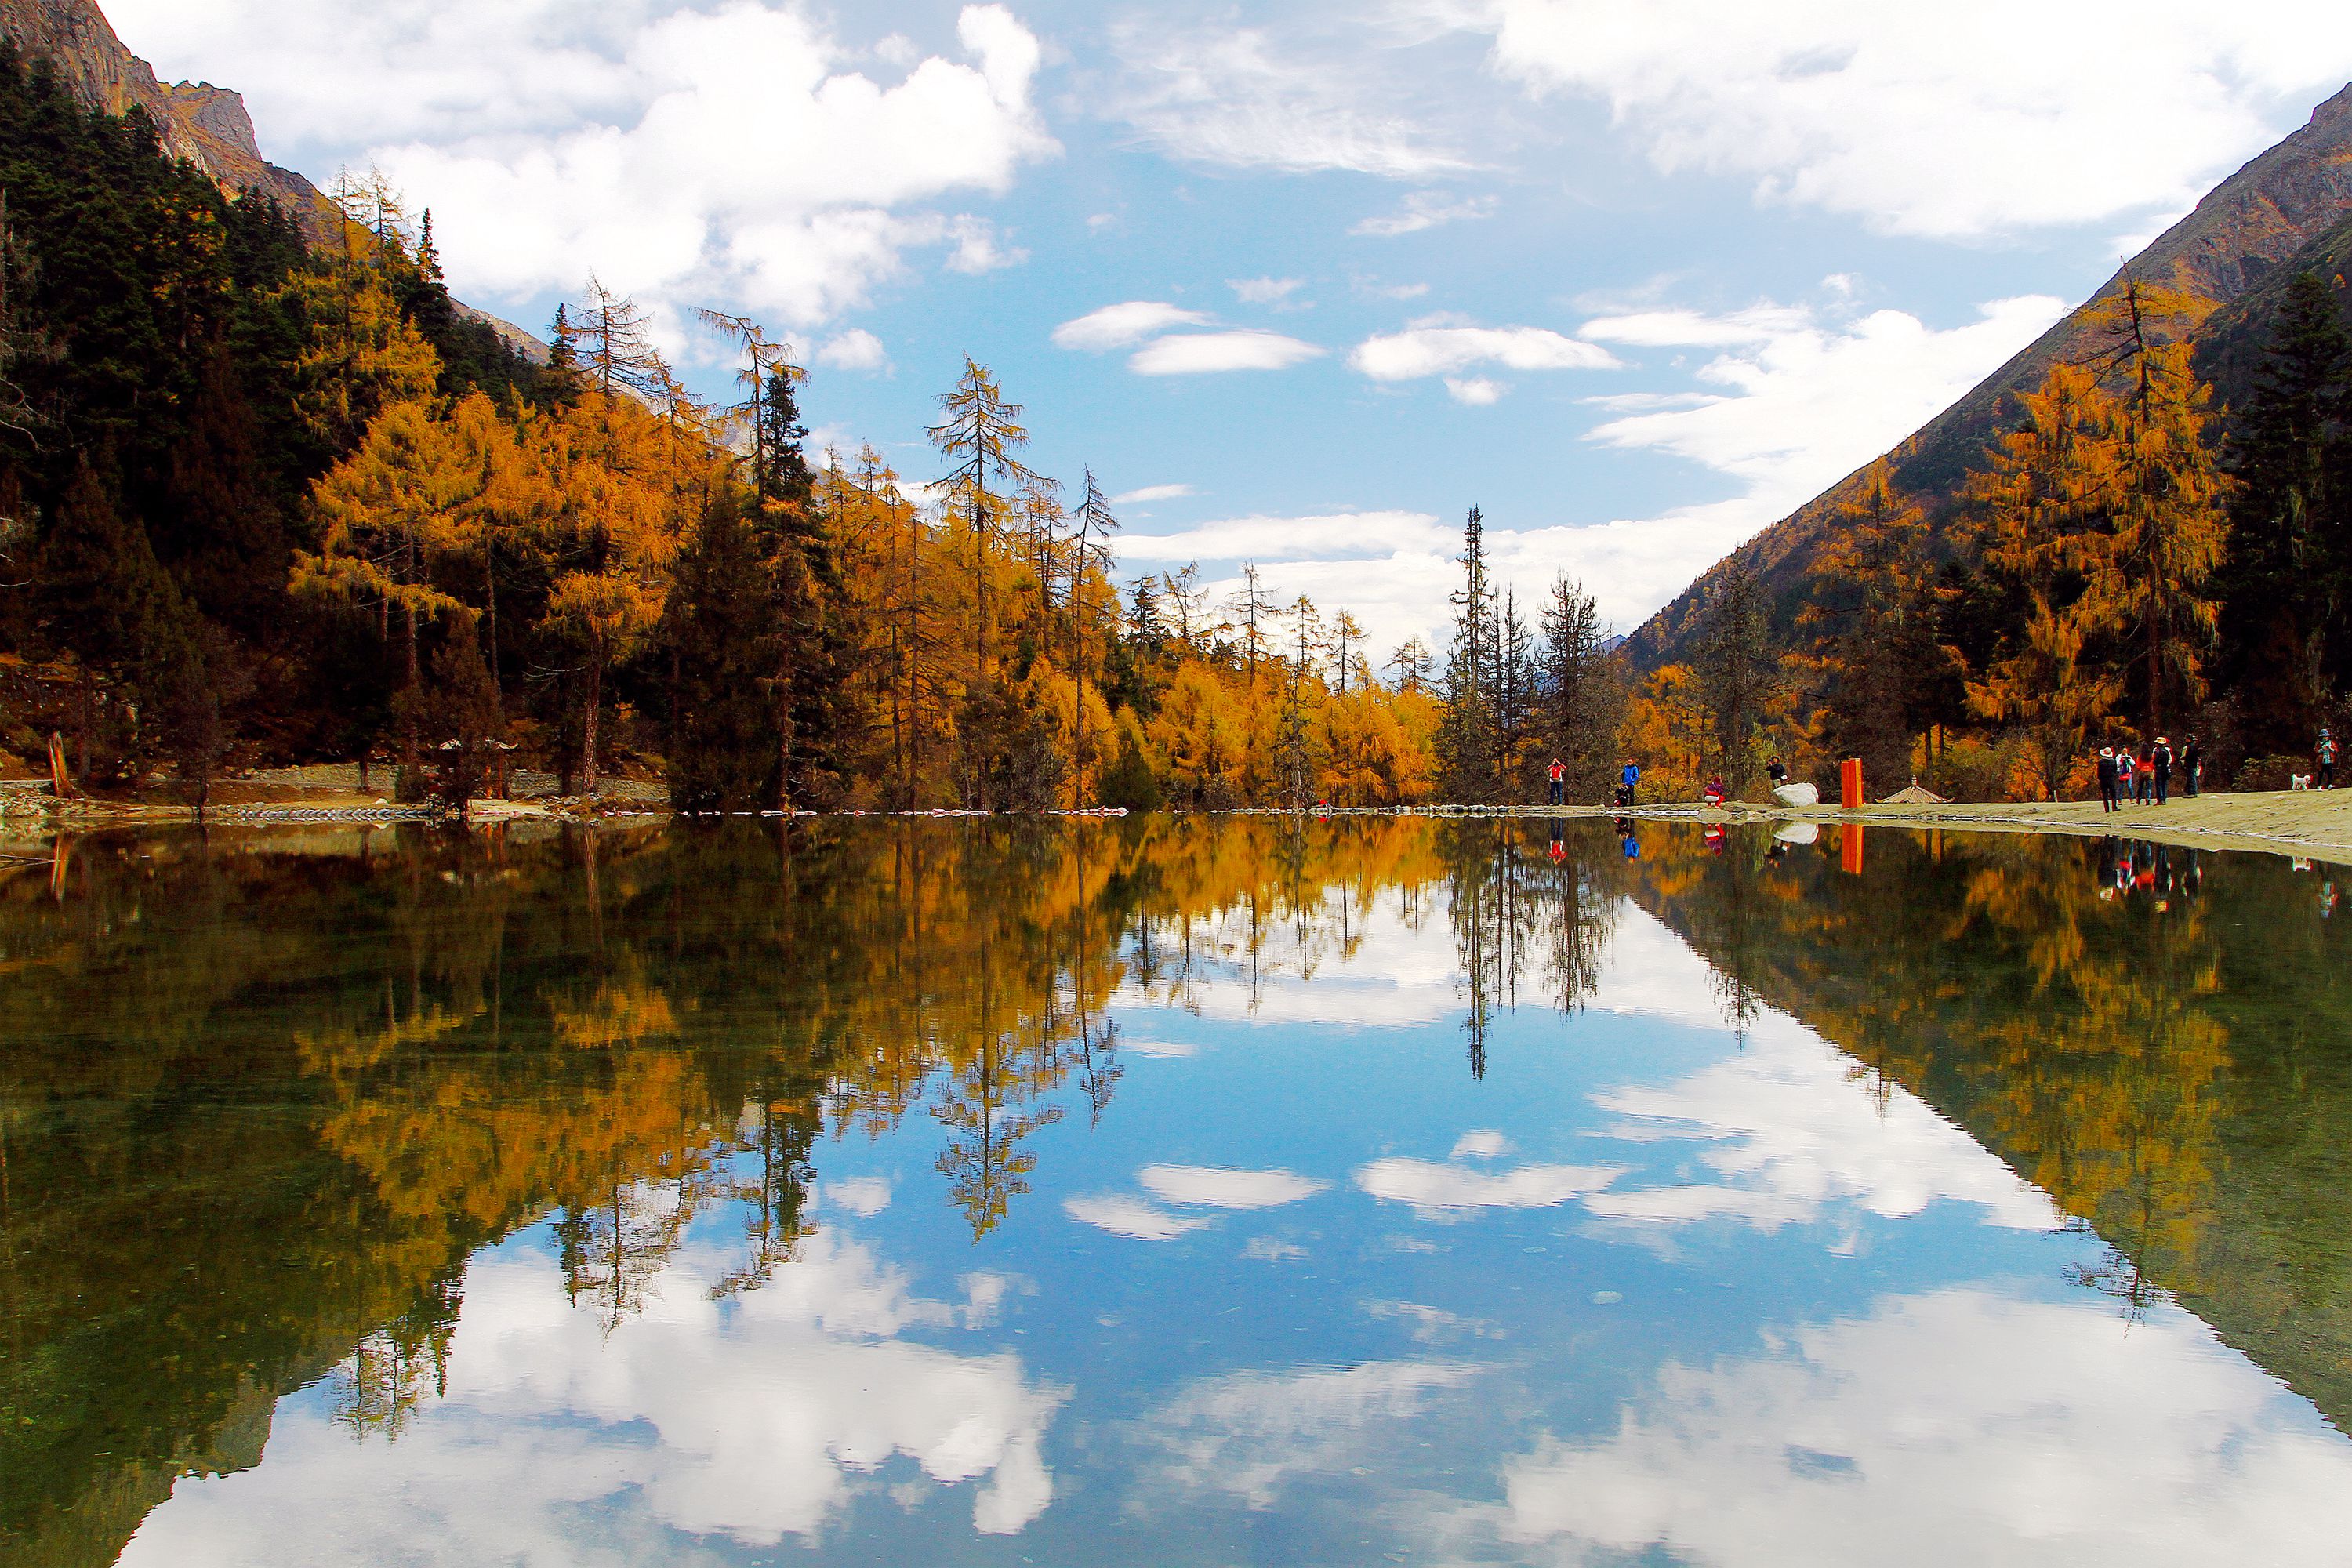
1198, 354
1427, 350
1484, 1144
1213, 1186
1790, 1136
1236, 98
1122, 1213
1954, 123
749, 1420
1477, 390
637, 138
855, 349
1441, 1189
862, 1196
1425, 209
1839, 1445
1123, 325
1799, 401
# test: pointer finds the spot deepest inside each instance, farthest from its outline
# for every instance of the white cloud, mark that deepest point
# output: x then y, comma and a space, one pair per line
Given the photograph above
1263, 539
1195, 353
863, 1196
1435, 1189
1265, 291
1476, 391
1170, 1049
978, 249
1948, 1430
1426, 351
1790, 1136
1151, 493
1691, 329
1486, 1143
1124, 324
751, 1420
1425, 209
1801, 402
1122, 1213
1233, 97
1249, 1434
855, 349
1951, 123
636, 138
1220, 1187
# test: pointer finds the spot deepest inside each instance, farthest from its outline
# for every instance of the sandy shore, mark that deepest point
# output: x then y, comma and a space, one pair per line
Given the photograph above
2313, 824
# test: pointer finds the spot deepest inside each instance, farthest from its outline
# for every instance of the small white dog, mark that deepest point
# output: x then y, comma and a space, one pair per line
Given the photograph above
2298, 781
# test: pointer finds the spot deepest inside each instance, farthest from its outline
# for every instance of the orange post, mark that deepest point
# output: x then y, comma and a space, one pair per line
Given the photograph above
1850, 782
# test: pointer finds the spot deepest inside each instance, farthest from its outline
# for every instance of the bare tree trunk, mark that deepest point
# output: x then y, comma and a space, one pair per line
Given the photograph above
588, 721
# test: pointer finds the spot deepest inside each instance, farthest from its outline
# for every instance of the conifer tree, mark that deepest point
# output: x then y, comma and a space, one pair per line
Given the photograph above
2287, 587
1736, 667
978, 436
1580, 695
722, 621
2035, 509
1878, 623
1467, 752
2166, 500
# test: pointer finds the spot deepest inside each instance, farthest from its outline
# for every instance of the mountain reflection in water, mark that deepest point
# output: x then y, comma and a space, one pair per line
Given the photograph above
1191, 1191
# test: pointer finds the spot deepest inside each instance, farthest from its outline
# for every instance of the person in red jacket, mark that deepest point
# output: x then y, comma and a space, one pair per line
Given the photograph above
1558, 779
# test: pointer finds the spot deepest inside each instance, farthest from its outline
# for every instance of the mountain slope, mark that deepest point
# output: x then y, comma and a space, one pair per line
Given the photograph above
2238, 237
206, 125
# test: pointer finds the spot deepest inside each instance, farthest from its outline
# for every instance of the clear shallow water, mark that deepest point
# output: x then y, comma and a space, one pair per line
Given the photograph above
1202, 1193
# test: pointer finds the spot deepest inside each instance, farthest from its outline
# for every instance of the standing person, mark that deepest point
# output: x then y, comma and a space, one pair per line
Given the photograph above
1626, 782
2192, 765
1559, 778
2107, 779
2325, 755
2125, 768
1777, 771
2143, 775
2162, 758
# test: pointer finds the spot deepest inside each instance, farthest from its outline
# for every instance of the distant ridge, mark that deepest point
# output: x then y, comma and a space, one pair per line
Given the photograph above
204, 124
2239, 237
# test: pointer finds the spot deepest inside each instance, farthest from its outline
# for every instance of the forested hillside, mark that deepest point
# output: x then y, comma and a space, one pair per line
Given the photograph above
2245, 238
268, 501
2141, 527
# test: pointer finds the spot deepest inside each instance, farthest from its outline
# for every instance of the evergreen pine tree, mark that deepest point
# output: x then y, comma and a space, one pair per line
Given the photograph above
1735, 668
725, 756
2288, 584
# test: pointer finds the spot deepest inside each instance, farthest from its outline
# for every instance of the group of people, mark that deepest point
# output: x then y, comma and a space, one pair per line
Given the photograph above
2145, 777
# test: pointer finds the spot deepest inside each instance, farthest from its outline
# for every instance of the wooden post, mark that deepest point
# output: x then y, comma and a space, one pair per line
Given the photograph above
60, 776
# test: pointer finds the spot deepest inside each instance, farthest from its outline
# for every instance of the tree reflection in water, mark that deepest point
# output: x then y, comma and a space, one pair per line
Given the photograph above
295, 1081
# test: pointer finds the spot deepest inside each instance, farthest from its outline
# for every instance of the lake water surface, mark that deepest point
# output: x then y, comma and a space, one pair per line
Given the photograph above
1201, 1192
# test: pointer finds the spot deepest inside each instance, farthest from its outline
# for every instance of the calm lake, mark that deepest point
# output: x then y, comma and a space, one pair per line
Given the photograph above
1203, 1192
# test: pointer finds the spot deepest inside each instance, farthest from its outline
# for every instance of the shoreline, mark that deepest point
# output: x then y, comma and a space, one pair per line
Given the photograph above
2310, 825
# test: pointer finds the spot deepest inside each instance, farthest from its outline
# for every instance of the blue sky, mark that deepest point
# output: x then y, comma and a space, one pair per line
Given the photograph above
1305, 280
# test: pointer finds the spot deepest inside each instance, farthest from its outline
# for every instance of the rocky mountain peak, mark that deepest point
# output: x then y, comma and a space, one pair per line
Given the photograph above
206, 125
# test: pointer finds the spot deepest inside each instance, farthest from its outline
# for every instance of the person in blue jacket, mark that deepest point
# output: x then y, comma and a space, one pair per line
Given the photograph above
1627, 780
